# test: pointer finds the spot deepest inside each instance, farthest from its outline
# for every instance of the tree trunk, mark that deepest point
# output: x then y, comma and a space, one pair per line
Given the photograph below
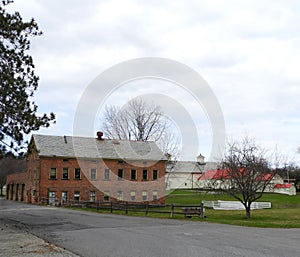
247, 211
1, 190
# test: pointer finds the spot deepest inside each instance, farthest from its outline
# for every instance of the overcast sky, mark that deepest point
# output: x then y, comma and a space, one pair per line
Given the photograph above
247, 51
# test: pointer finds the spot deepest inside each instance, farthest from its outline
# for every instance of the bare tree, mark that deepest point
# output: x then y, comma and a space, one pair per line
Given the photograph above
245, 172
141, 121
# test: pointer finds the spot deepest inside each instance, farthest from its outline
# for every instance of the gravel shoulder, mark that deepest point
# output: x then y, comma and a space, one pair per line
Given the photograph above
14, 243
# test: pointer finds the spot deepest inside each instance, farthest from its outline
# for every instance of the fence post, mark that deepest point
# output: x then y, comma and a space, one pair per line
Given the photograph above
98, 205
126, 208
111, 206
147, 209
202, 210
172, 210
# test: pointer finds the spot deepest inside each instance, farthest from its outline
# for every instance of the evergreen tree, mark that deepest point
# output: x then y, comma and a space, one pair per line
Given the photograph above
18, 82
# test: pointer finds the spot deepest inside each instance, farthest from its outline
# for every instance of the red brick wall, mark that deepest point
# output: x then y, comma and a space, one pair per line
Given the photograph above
100, 185
38, 183
14, 184
33, 174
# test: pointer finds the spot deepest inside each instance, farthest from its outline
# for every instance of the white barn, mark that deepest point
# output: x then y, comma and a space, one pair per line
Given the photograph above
185, 174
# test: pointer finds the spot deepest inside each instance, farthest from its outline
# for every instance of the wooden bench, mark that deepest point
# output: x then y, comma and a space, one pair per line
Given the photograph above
193, 211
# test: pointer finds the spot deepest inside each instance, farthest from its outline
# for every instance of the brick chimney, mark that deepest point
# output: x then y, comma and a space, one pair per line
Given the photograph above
100, 135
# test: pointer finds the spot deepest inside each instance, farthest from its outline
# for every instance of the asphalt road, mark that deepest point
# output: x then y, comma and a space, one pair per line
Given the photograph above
91, 234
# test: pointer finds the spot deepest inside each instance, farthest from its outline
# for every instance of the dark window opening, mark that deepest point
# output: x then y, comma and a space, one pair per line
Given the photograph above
120, 174
65, 173
77, 173
155, 174
133, 174
106, 196
145, 174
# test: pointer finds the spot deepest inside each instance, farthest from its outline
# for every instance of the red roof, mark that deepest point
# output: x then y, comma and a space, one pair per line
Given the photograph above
214, 174
267, 177
223, 174
282, 185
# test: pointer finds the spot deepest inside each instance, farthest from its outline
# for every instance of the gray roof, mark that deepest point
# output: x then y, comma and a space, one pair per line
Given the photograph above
211, 166
88, 147
190, 166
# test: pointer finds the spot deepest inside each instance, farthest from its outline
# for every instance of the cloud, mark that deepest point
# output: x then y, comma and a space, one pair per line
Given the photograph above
248, 52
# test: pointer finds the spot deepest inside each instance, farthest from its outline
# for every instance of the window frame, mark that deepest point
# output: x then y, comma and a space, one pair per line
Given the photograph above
120, 195
76, 170
155, 175
63, 173
93, 174
133, 196
145, 172
120, 172
154, 195
144, 196
64, 196
51, 176
107, 174
92, 196
106, 197
133, 172
76, 193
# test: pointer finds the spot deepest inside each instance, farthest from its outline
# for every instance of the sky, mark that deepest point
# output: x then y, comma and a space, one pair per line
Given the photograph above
248, 52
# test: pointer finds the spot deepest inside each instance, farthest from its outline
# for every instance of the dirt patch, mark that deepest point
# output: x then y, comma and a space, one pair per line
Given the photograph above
14, 242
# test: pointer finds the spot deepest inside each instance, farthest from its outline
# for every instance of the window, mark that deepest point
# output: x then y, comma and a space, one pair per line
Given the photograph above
144, 195
120, 174
120, 196
133, 174
155, 175
106, 196
154, 195
76, 196
65, 173
120, 161
145, 174
92, 196
52, 198
93, 174
77, 173
65, 160
132, 195
64, 196
106, 174
53, 173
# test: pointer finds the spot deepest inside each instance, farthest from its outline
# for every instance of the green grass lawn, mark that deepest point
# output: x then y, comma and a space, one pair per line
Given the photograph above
285, 212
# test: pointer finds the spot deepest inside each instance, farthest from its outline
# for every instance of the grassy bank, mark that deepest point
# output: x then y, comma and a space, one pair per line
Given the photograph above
285, 212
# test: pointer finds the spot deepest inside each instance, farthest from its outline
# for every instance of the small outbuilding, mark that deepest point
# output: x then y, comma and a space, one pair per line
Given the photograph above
288, 189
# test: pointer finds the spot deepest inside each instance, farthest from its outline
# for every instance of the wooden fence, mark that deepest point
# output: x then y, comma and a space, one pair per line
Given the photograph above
127, 207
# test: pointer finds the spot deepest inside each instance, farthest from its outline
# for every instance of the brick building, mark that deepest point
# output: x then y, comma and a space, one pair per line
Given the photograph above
62, 168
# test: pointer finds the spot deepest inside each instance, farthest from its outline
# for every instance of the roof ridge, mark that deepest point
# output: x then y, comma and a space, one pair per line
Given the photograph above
107, 139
